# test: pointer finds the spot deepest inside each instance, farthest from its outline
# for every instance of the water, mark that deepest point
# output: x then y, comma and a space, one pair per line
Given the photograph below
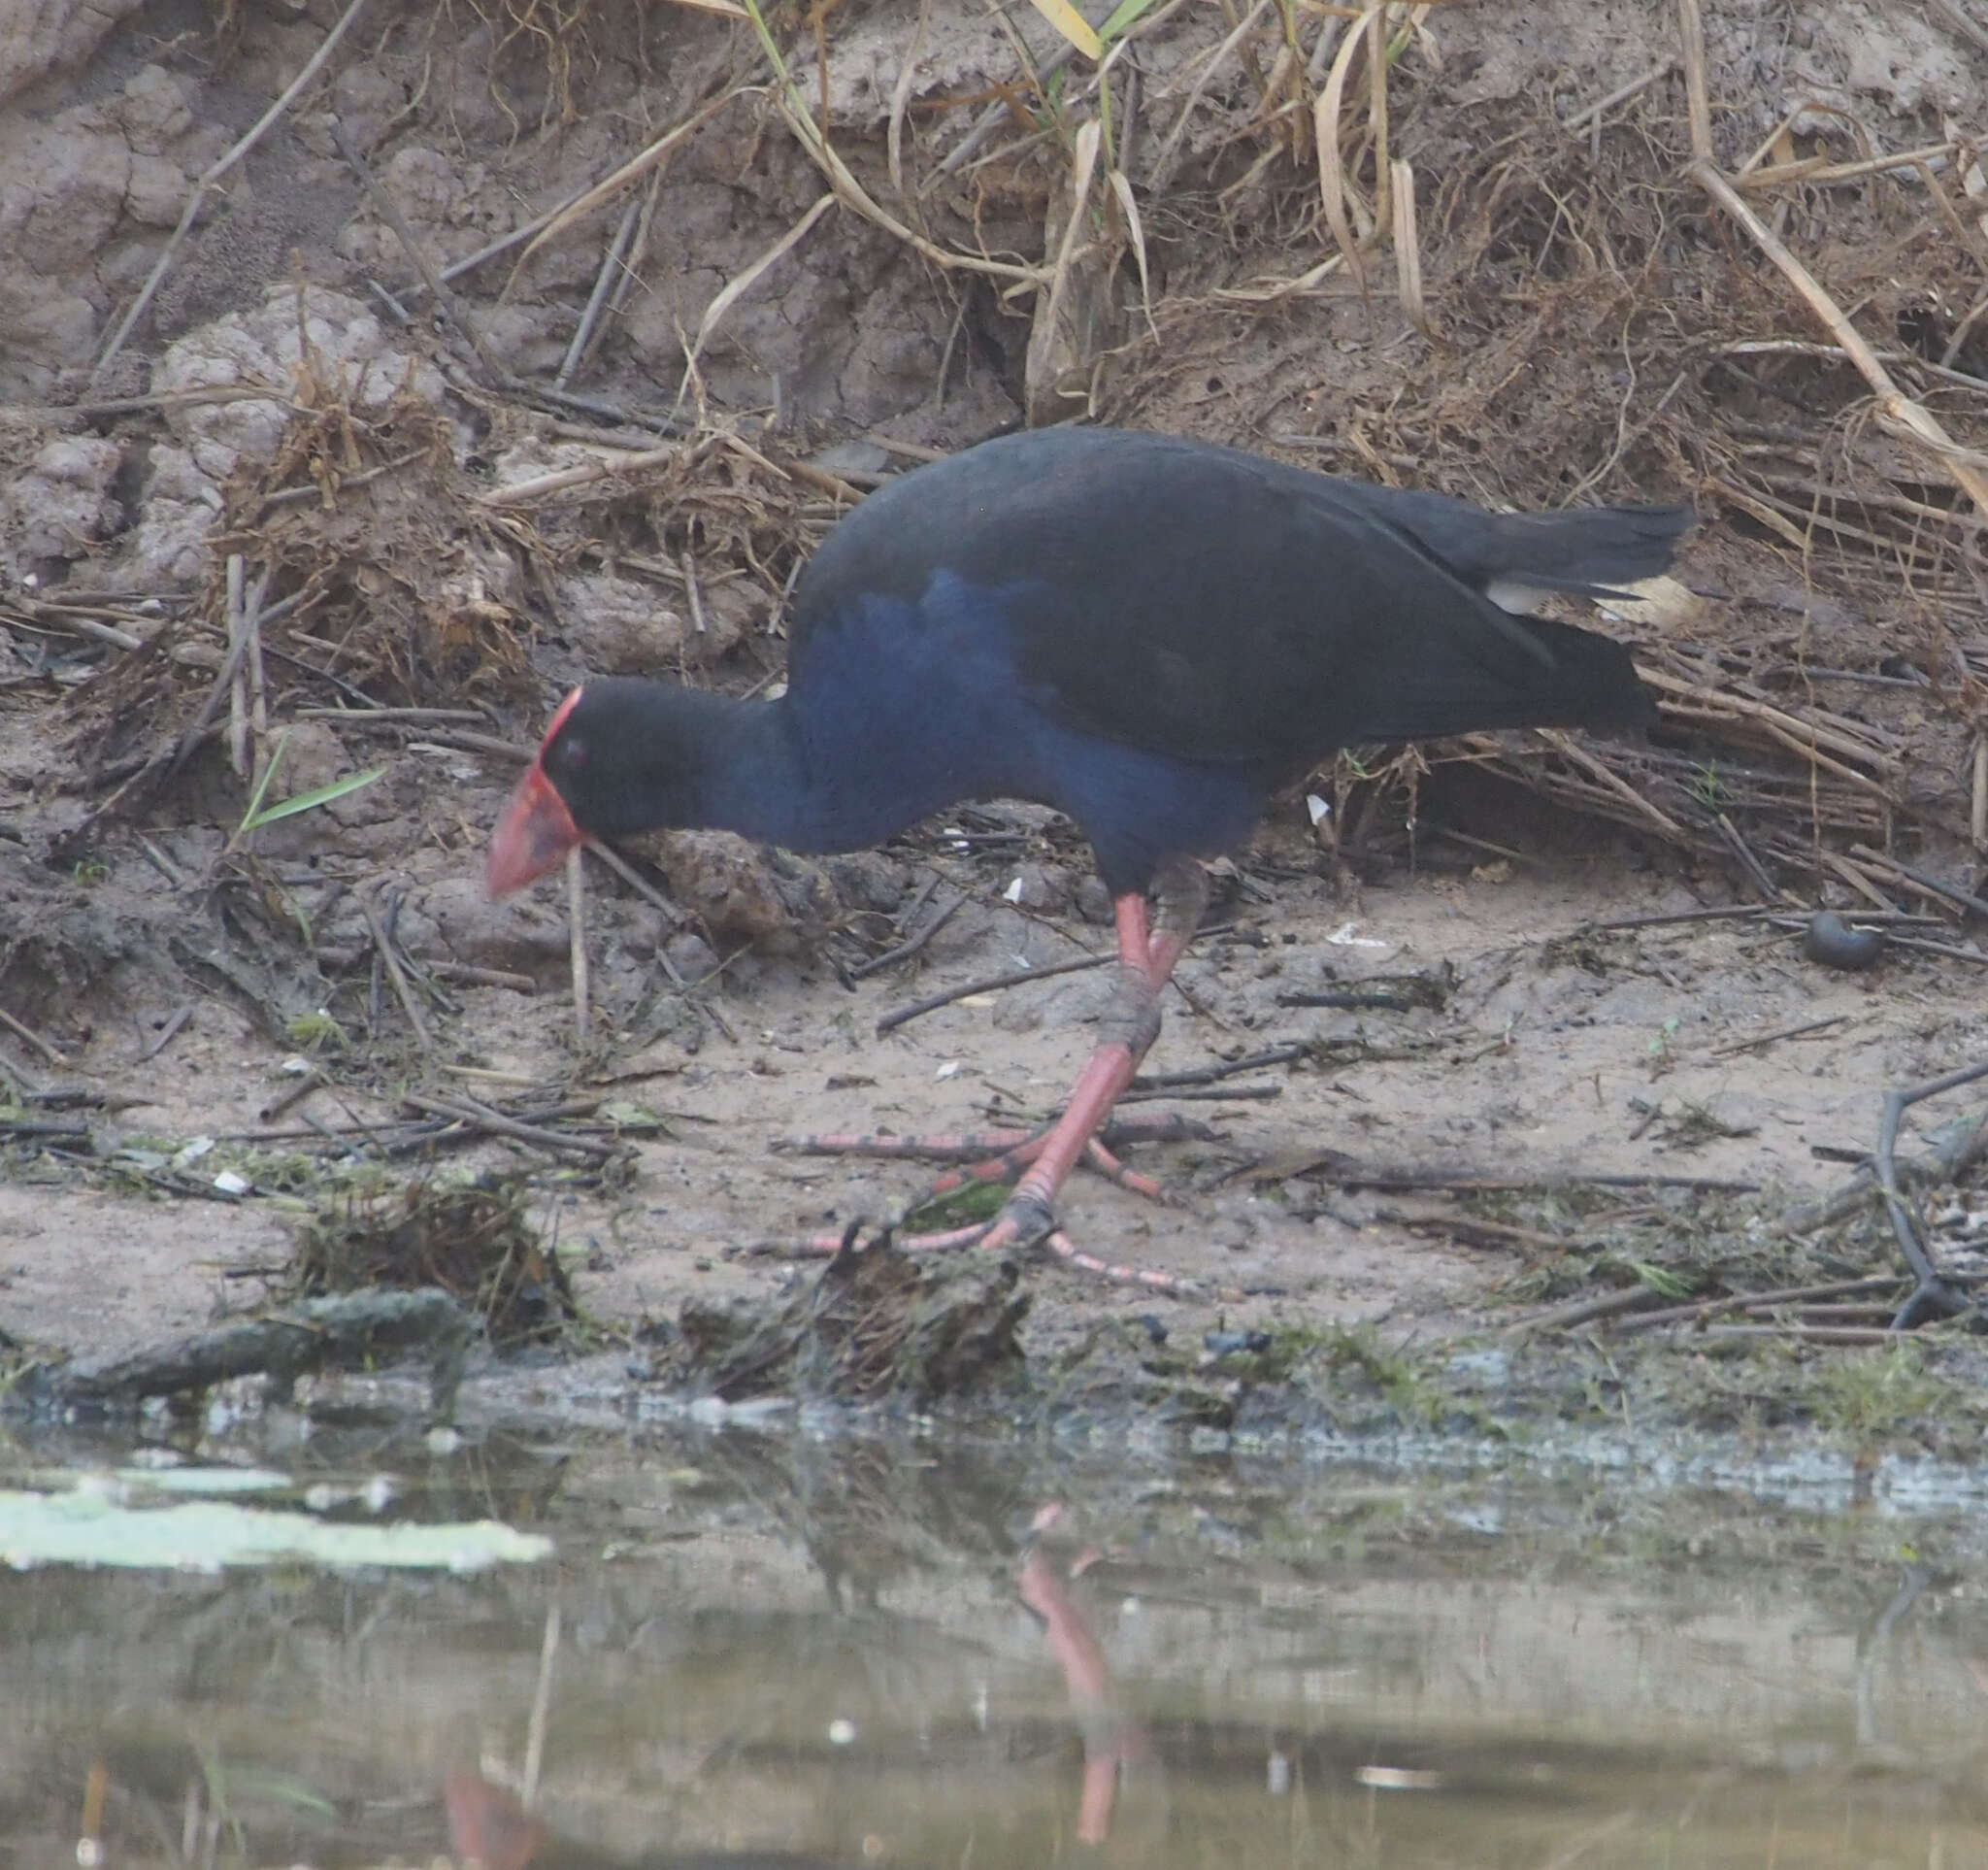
857, 1650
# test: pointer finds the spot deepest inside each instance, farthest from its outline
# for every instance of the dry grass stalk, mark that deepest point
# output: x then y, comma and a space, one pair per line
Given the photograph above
1276, 291
238, 642
1377, 61
1815, 171
1407, 250
1697, 90
744, 282
901, 102
1948, 11
1621, 94
1337, 199
609, 466
1941, 894
388, 211
613, 265
1841, 866
853, 194
403, 987
258, 680
1575, 754
1768, 514
1162, 169
1898, 414
1135, 232
633, 170
1780, 141
27, 1034
812, 137
1057, 341
1814, 735
806, 471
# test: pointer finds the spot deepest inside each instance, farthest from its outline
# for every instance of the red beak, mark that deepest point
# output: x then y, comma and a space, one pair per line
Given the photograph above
533, 833
536, 829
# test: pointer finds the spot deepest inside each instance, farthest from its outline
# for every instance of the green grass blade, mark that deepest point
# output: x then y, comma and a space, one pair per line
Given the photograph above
309, 801
1123, 17
262, 785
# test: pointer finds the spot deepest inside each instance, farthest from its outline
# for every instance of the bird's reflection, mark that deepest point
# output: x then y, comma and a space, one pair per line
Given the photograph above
1110, 1738
487, 1826
491, 1828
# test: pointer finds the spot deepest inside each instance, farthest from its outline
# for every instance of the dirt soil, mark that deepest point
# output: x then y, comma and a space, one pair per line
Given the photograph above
1543, 1062
461, 528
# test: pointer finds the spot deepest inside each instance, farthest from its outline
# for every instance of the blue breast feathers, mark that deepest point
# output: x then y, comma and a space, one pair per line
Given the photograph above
898, 710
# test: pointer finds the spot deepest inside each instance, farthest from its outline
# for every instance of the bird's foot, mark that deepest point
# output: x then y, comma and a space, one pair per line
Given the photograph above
987, 1159
1024, 1221
1001, 1155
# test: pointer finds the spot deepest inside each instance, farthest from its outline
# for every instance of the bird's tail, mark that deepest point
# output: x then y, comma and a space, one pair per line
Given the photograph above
1588, 550
1591, 551
1494, 665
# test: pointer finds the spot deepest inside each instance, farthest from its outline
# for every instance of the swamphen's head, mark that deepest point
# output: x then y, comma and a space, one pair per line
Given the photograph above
619, 756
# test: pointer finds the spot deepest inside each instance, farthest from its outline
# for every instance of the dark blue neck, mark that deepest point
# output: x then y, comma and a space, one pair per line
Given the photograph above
811, 778
891, 716
838, 767
899, 708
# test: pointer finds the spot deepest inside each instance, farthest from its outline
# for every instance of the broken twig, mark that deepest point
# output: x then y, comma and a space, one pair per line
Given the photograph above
912, 947
993, 984
1934, 1296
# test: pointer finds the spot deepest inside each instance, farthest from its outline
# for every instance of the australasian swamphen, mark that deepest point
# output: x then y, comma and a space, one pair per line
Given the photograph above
1149, 634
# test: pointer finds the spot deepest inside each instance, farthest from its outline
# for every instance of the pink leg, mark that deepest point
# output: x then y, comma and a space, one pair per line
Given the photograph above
1147, 954
1148, 946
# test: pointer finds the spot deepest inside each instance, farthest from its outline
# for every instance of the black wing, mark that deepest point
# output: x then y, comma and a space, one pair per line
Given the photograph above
1212, 605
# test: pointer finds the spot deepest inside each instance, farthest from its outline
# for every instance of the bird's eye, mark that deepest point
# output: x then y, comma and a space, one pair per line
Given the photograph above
573, 752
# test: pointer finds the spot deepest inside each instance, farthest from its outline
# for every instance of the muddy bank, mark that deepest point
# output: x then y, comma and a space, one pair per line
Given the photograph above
277, 530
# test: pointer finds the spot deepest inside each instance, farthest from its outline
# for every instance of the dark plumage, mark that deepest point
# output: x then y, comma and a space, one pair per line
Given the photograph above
1147, 633
1150, 634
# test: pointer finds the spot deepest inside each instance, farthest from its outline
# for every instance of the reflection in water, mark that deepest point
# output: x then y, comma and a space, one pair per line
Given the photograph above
488, 1825
812, 1651
1109, 1738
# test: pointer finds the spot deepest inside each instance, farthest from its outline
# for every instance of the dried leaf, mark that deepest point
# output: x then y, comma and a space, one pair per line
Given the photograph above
1072, 25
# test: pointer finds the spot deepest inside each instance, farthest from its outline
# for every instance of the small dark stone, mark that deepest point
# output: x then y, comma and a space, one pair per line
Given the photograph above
1222, 1344
1094, 900
1834, 943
